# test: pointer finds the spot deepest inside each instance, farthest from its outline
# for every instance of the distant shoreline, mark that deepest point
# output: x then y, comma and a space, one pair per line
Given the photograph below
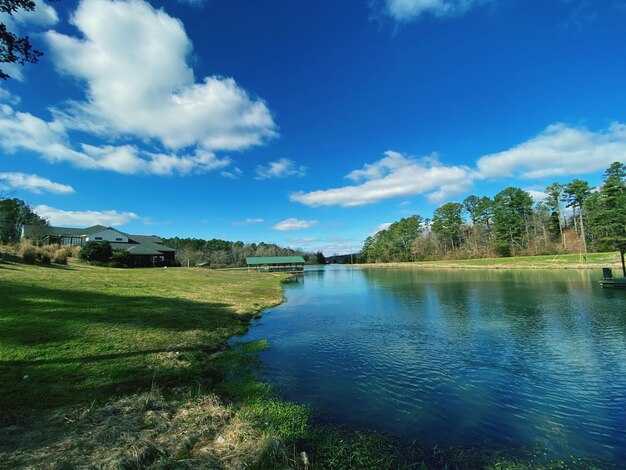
426, 265
595, 261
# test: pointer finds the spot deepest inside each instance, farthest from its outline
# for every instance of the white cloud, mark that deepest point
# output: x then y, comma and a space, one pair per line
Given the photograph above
249, 222
193, 3
33, 183
43, 15
84, 218
560, 150
536, 194
338, 249
14, 71
295, 224
380, 228
394, 176
332, 245
407, 10
23, 131
133, 60
281, 168
7, 97
313, 240
304, 241
233, 174
199, 162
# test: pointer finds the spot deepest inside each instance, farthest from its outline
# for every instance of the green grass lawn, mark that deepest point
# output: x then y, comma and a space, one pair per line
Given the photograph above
75, 334
568, 261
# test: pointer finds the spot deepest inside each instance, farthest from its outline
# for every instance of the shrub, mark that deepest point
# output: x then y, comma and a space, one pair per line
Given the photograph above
96, 251
72, 251
502, 248
120, 259
49, 249
45, 258
60, 256
28, 254
606, 244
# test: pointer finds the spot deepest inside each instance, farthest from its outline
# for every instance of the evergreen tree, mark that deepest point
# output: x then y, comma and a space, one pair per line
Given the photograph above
447, 222
512, 208
553, 201
576, 194
607, 209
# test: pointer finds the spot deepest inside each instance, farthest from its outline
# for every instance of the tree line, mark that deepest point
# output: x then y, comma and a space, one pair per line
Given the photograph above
573, 218
216, 253
14, 214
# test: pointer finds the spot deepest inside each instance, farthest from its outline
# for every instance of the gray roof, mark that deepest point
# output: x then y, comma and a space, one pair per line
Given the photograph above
149, 242
65, 231
147, 238
255, 260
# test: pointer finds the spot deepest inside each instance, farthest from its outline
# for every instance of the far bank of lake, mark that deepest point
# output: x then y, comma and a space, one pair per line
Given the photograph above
595, 261
457, 357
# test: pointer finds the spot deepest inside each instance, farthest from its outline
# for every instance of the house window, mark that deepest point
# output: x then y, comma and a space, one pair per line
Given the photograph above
73, 241
119, 239
98, 238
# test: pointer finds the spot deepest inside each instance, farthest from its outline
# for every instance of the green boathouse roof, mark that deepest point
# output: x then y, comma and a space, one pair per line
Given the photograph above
252, 261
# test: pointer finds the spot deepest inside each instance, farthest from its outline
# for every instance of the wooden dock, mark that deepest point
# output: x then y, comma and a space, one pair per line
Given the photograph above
616, 282
607, 273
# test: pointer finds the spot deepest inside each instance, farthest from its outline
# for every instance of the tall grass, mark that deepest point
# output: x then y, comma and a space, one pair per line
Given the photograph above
30, 253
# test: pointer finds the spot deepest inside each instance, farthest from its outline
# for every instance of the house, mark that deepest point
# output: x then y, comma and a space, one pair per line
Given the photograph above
145, 250
276, 263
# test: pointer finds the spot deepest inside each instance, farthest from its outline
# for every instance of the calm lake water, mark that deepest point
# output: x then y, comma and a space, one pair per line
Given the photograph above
457, 357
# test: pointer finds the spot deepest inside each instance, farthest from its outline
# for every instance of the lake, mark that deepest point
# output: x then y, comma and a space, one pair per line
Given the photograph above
456, 357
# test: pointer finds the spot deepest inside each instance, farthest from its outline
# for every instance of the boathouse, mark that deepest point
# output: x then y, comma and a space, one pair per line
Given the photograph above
291, 264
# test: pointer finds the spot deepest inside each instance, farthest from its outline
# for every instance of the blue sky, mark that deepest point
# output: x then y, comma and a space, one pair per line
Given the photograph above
307, 124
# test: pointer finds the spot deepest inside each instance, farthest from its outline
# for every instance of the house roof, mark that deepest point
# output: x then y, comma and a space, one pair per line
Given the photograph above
68, 231
137, 244
149, 241
274, 260
147, 238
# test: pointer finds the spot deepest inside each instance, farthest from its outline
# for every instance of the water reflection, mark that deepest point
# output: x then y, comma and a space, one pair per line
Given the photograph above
457, 357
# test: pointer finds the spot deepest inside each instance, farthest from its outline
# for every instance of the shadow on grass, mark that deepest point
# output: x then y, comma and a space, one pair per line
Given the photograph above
69, 347
105, 357
38, 308
13, 260
63, 267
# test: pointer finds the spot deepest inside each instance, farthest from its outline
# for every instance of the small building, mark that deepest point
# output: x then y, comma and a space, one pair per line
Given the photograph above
291, 264
145, 250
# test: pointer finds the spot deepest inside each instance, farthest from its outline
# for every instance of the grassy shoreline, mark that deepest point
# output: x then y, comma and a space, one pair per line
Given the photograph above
111, 368
568, 261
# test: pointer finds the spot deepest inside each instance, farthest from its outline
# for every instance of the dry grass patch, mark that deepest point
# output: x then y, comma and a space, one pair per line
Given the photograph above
138, 431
